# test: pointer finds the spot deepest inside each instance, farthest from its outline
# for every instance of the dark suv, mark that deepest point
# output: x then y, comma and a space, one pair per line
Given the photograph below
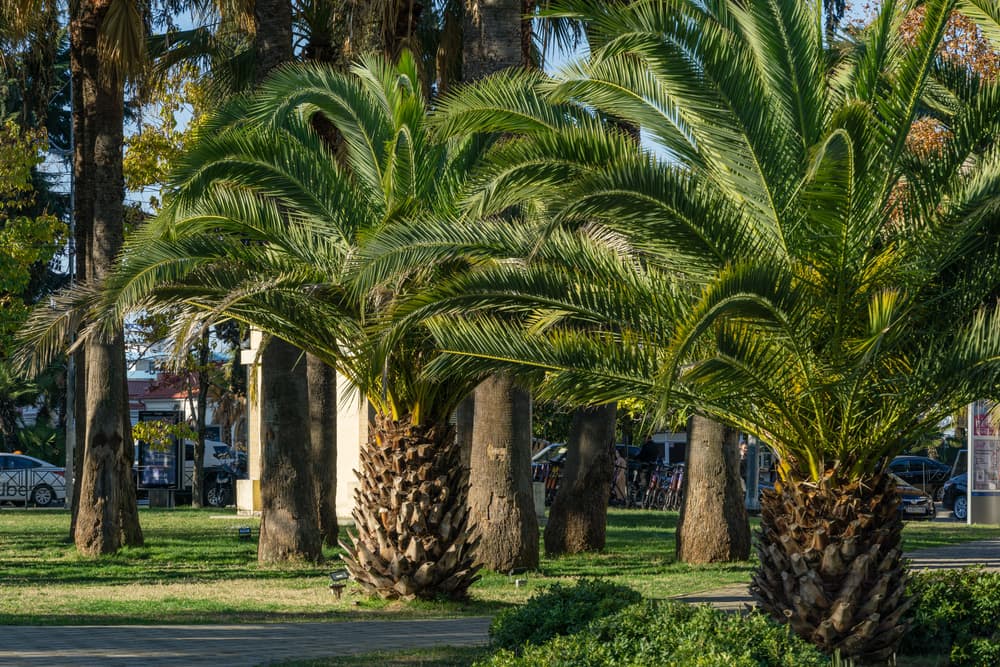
922, 472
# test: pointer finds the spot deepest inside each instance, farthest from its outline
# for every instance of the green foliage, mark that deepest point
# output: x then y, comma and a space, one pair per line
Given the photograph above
957, 612
560, 610
160, 434
25, 240
670, 633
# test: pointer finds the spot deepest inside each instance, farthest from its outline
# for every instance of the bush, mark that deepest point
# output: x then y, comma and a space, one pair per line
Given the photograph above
559, 610
670, 633
956, 613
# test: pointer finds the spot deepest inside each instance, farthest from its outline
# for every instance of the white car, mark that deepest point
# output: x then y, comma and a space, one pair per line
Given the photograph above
25, 479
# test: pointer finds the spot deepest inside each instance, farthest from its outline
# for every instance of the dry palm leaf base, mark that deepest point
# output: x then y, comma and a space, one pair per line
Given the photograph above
410, 515
830, 564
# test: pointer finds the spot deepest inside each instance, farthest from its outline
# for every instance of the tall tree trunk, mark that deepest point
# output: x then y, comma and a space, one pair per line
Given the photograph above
83, 216
713, 526
579, 514
288, 526
322, 390
500, 498
99, 524
501, 503
201, 414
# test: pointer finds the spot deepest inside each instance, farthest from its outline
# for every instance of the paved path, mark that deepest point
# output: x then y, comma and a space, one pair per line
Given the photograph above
225, 645
985, 552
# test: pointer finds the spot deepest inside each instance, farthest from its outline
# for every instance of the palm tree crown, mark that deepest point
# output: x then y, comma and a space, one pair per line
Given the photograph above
792, 267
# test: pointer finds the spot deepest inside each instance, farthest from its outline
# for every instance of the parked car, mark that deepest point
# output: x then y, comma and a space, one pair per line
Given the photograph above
955, 496
922, 472
25, 479
913, 503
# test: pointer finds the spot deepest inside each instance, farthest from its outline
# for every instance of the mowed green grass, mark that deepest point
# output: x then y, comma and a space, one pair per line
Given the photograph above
194, 569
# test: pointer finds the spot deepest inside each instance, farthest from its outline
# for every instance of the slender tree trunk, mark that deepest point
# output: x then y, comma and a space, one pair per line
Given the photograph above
99, 524
83, 215
288, 525
323, 432
492, 38
198, 477
713, 526
579, 514
501, 504
131, 531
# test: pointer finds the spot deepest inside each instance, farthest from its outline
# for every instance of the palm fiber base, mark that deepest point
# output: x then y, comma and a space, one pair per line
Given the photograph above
830, 565
410, 514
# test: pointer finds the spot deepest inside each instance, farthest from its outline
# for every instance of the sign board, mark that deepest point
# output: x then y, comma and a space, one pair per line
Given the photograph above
984, 463
159, 468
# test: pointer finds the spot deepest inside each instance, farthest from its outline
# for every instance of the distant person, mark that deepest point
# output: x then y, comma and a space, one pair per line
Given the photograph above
743, 464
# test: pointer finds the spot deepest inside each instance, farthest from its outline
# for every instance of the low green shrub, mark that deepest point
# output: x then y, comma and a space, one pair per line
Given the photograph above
670, 633
559, 610
956, 613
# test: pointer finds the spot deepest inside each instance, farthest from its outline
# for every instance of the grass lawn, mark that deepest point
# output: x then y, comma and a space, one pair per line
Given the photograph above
194, 569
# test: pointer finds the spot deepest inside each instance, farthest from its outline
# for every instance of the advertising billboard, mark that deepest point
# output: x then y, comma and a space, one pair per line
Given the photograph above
158, 464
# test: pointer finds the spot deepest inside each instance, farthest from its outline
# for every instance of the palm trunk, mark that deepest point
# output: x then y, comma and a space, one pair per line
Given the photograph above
501, 503
411, 519
579, 514
500, 498
713, 526
101, 521
323, 433
288, 525
465, 415
289, 528
830, 564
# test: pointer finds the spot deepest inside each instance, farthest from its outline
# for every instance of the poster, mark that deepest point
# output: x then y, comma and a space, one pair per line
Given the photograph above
158, 467
985, 465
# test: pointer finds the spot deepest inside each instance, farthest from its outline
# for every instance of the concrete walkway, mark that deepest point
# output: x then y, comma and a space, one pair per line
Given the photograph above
985, 553
225, 645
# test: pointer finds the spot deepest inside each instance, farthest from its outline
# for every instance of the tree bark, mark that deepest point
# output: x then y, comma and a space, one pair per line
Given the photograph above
273, 38
323, 432
101, 521
500, 498
492, 38
198, 477
288, 525
410, 514
464, 420
289, 528
831, 564
501, 505
713, 526
579, 514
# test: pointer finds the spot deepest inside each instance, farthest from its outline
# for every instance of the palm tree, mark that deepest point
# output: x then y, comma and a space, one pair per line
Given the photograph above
261, 227
793, 269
